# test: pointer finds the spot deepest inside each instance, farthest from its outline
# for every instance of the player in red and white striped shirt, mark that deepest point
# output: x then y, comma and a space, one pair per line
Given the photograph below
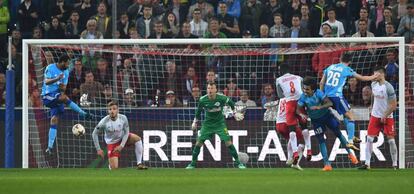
289, 86
384, 104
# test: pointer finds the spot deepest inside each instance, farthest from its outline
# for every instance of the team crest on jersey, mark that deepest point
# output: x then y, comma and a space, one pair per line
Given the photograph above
217, 104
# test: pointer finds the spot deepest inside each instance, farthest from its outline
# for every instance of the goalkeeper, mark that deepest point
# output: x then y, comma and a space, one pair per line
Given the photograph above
214, 122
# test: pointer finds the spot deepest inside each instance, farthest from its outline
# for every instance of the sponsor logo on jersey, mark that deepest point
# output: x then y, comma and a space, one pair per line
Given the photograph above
217, 104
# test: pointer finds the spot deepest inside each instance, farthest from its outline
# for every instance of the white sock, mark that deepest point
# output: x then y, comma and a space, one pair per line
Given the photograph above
393, 151
138, 151
293, 141
306, 138
301, 147
368, 150
290, 151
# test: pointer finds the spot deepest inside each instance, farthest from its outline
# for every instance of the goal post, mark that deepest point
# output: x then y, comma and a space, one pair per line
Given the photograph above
233, 48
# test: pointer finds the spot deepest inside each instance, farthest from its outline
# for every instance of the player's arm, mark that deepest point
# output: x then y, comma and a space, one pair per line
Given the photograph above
197, 116
322, 82
49, 80
299, 107
392, 100
95, 137
279, 91
230, 102
365, 78
126, 133
326, 103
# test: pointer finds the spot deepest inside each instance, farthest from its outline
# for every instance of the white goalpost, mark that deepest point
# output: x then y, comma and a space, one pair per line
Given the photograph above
248, 63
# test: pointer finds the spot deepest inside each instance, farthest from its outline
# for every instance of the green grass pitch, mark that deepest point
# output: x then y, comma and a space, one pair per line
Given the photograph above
211, 181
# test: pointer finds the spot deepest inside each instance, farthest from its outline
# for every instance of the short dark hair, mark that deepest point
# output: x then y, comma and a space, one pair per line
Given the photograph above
331, 9
311, 82
346, 57
379, 68
284, 68
112, 103
63, 58
211, 83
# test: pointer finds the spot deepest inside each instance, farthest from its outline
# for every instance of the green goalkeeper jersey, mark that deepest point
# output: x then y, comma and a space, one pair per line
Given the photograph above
214, 117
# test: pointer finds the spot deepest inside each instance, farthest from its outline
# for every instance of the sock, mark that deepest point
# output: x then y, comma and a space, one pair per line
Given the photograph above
75, 107
393, 151
233, 153
290, 151
324, 152
368, 150
52, 135
293, 141
344, 142
301, 147
138, 151
306, 138
350, 128
196, 151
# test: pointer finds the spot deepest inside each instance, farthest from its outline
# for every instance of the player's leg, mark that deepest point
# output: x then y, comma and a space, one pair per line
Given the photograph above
322, 147
282, 129
113, 156
389, 131
333, 124
306, 137
204, 135
52, 134
292, 122
135, 140
224, 136
65, 99
113, 163
374, 128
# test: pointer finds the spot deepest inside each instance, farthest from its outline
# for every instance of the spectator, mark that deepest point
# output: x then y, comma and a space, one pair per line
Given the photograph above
206, 10
171, 100
234, 9
195, 97
86, 10
145, 24
352, 91
228, 24
264, 31
189, 82
37, 33
244, 100
17, 66
400, 10
128, 77
172, 80
406, 26
390, 30
278, 30
362, 32
2, 89
4, 20
124, 25
198, 25
60, 10
318, 15
103, 73
251, 14
129, 99
305, 17
376, 15
388, 19
268, 94
108, 93
88, 52
34, 99
76, 78
158, 31
136, 10
103, 21
270, 9
91, 87
180, 11
391, 69
338, 29
366, 96
17, 40
232, 90
74, 27
171, 26
186, 31
210, 77
27, 18
363, 15
214, 30
55, 30
292, 8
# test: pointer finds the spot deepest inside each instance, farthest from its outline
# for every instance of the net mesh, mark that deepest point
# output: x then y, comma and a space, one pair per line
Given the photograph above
158, 86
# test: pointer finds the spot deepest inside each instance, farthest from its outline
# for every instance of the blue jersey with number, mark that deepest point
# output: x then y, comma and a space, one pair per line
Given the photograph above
315, 100
52, 71
336, 76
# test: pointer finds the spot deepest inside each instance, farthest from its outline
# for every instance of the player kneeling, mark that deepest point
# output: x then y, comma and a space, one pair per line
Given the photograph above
317, 105
116, 129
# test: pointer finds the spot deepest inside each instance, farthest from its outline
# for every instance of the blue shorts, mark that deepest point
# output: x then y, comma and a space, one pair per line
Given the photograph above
51, 100
328, 120
340, 104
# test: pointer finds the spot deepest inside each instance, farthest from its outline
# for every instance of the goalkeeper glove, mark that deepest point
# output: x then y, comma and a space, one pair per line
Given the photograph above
238, 116
194, 125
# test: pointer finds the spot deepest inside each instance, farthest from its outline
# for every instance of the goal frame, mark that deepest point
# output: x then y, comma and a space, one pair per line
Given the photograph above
396, 40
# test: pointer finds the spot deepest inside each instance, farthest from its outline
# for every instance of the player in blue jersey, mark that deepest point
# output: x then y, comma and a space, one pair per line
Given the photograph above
317, 104
332, 83
53, 96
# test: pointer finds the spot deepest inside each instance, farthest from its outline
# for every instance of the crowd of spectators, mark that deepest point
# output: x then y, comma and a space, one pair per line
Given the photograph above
179, 84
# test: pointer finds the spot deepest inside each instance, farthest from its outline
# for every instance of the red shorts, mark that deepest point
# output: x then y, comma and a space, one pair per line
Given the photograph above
375, 126
291, 117
111, 147
283, 129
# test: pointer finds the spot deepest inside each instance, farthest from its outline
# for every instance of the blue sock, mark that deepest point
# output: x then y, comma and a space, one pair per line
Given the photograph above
52, 135
350, 128
76, 108
324, 152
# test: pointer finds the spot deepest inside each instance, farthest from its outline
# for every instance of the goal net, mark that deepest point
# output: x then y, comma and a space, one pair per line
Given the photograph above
157, 84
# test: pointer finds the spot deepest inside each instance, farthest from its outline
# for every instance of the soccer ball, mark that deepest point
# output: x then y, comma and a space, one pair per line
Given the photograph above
78, 130
243, 157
